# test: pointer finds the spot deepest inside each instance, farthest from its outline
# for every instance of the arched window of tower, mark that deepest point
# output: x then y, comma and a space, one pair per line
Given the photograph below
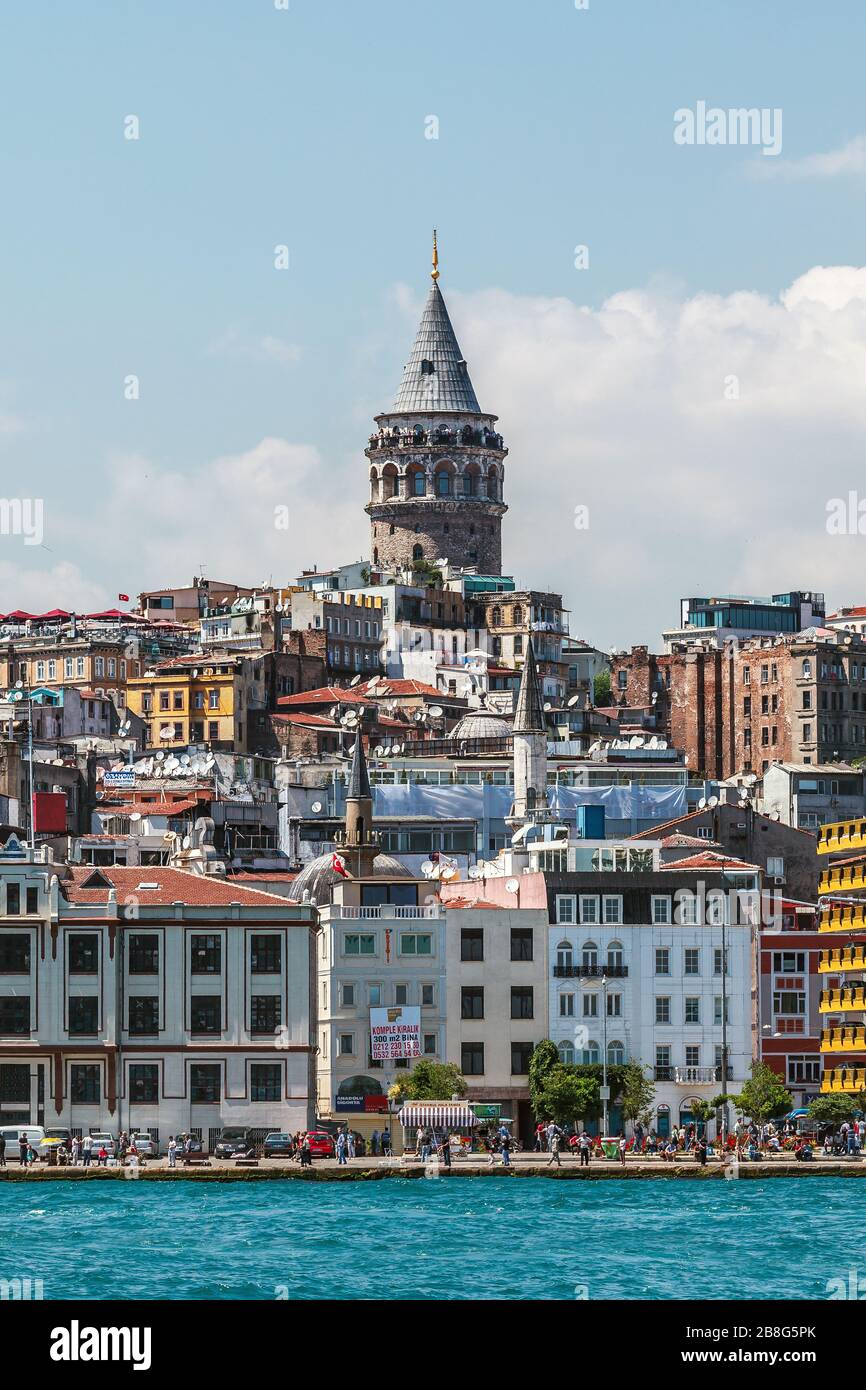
444, 478
417, 481
470, 480
390, 486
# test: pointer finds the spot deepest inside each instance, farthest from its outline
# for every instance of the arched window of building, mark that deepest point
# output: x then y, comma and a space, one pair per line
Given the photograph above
566, 1052
589, 954
591, 1054
614, 953
615, 1054
564, 954
495, 616
517, 615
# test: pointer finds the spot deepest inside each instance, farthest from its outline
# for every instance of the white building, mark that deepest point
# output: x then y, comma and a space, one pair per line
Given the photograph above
153, 999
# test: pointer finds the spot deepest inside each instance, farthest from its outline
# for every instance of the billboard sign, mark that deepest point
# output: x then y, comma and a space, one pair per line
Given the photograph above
395, 1033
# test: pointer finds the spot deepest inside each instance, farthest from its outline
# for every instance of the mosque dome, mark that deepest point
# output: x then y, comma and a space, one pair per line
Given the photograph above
481, 723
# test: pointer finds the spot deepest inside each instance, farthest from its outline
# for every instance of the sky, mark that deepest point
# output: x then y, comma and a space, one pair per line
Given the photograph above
683, 400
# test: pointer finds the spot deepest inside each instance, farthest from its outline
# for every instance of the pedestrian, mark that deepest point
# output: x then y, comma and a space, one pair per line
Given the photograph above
702, 1151
86, 1151
585, 1145
444, 1149
554, 1139
386, 1142
306, 1152
22, 1150
504, 1146
419, 1139
426, 1142
172, 1151
2, 1152
622, 1148
341, 1147
350, 1143
540, 1137
374, 1142
76, 1150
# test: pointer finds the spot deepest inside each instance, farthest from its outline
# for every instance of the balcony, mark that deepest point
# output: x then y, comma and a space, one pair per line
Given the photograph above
843, 878
700, 1076
851, 1038
590, 972
386, 911
839, 835
840, 958
844, 1081
848, 999
842, 919
442, 437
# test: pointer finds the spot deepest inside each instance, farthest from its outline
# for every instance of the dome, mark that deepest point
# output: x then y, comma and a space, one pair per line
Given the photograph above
481, 723
318, 877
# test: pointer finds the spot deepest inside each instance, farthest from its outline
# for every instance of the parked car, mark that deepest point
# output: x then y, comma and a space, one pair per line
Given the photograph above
103, 1140
187, 1143
321, 1143
12, 1134
278, 1145
145, 1144
233, 1143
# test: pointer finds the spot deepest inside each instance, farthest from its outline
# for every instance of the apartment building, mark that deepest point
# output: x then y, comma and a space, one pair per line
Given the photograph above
513, 618
149, 998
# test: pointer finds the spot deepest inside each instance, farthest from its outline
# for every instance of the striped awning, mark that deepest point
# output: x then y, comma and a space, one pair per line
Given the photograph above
437, 1114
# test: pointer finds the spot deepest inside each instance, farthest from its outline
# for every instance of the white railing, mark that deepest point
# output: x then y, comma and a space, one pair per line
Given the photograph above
386, 910
696, 1076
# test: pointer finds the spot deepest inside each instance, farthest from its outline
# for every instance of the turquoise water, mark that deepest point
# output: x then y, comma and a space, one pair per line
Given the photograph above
452, 1239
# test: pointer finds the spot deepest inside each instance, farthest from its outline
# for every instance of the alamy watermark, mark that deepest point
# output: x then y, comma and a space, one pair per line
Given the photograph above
22, 516
741, 125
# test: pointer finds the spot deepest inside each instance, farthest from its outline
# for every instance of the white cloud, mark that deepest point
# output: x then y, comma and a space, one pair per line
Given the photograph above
60, 585
849, 160
234, 343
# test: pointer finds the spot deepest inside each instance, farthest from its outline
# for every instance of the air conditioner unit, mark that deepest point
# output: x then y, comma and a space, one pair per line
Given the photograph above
740, 825
780, 878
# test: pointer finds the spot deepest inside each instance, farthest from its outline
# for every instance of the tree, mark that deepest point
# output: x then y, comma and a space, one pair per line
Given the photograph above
763, 1097
832, 1110
601, 688
567, 1097
545, 1057
703, 1110
429, 1081
637, 1093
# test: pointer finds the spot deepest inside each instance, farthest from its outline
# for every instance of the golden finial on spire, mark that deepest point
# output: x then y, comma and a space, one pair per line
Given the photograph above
434, 273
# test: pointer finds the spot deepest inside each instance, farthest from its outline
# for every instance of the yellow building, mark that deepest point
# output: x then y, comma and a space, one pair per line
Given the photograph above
195, 699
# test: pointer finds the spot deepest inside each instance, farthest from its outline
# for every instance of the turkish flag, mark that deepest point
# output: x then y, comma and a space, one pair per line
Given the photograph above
123, 598
338, 863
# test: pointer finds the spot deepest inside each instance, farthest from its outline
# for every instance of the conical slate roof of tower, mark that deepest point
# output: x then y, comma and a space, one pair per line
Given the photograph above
529, 713
359, 780
448, 386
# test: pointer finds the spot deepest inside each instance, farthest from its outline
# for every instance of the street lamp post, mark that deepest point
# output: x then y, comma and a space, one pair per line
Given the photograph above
604, 1086
14, 696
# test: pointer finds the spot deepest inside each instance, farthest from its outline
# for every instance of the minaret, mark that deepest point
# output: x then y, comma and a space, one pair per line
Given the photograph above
529, 743
436, 461
358, 843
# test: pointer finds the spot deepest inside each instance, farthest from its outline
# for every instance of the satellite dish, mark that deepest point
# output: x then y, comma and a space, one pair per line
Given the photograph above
185, 759
419, 717
702, 803
547, 705
775, 815
379, 751
159, 756
135, 815
19, 685
195, 673
387, 750
512, 885
209, 762
448, 871
635, 742
56, 762
398, 748
435, 711
185, 842
278, 608
354, 680
333, 711
573, 701
316, 807
713, 801
475, 872
429, 869
99, 796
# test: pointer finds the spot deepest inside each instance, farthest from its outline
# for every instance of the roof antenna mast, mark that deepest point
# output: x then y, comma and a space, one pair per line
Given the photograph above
434, 273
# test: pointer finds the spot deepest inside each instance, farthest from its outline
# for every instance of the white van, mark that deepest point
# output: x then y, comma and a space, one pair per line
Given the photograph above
11, 1133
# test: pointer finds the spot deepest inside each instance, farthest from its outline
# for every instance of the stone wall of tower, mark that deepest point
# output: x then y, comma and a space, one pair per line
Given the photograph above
443, 529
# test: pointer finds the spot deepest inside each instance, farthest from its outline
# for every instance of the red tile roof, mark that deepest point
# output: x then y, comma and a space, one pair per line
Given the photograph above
148, 808
324, 695
386, 689
712, 862
318, 721
173, 885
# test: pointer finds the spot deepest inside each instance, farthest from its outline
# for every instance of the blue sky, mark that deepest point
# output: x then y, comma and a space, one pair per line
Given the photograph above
258, 126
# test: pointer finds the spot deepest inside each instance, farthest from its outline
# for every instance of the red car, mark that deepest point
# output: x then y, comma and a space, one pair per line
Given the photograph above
321, 1143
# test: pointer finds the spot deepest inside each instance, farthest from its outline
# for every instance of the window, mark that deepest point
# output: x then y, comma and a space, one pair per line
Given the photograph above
686, 914
265, 955
565, 912
663, 1063
717, 961
804, 1070
615, 956
143, 1014
472, 1001
266, 1081
205, 1012
14, 1015
204, 1084
521, 943
144, 1083
564, 956
663, 1008
375, 993
83, 1015
693, 1056
614, 1006
472, 1059
789, 1001
613, 910
84, 954
566, 1053
663, 960
347, 996
692, 964
359, 944
615, 1054
32, 900
346, 1044
521, 1054
401, 995
589, 910
717, 1010
472, 943
213, 699
589, 955
265, 1013
566, 1006
590, 1006
661, 911
13, 899
429, 1044
789, 962
521, 1001
776, 866
693, 1009
205, 955
622, 679
84, 1084
14, 953
416, 944
143, 954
